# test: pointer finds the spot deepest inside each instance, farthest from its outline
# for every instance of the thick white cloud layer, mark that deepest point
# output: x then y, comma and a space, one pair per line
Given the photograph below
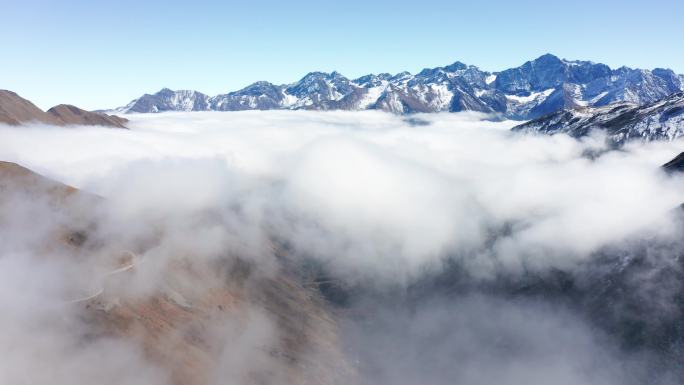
370, 195
368, 191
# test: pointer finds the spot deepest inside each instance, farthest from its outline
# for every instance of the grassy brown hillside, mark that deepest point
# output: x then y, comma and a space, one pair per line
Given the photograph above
15, 110
204, 321
68, 114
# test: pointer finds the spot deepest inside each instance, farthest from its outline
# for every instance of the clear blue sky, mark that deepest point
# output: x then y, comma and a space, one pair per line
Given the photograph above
98, 54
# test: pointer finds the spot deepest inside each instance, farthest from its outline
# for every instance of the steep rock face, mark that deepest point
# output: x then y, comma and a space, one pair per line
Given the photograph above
319, 90
548, 72
536, 88
661, 120
675, 165
372, 80
442, 89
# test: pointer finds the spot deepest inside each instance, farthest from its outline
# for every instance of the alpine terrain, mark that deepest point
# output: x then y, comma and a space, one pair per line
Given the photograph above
536, 88
661, 120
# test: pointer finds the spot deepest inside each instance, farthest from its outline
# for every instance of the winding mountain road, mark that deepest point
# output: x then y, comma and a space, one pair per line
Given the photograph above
100, 290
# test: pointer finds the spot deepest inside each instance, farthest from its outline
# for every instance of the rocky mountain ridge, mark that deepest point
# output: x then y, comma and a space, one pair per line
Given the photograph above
621, 122
534, 89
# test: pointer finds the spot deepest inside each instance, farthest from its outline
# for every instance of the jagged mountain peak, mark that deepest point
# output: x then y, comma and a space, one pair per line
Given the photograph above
372, 80
454, 67
533, 89
548, 71
255, 88
322, 75
401, 75
546, 59
318, 88
621, 122
551, 59
167, 99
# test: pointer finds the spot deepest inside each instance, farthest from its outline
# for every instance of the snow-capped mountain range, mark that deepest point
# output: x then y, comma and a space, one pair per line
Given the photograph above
660, 120
536, 88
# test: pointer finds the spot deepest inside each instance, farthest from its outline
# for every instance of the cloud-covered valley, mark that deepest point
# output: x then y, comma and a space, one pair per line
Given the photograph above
369, 190
387, 205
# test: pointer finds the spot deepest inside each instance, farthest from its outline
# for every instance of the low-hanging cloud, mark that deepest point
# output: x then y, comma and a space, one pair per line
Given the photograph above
368, 190
370, 196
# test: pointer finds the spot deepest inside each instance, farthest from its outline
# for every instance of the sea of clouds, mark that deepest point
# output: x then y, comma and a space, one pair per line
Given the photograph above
368, 190
372, 197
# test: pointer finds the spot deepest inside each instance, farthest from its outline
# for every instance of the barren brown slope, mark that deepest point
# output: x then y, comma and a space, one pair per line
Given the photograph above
15, 178
69, 114
59, 204
198, 322
16, 110
195, 333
